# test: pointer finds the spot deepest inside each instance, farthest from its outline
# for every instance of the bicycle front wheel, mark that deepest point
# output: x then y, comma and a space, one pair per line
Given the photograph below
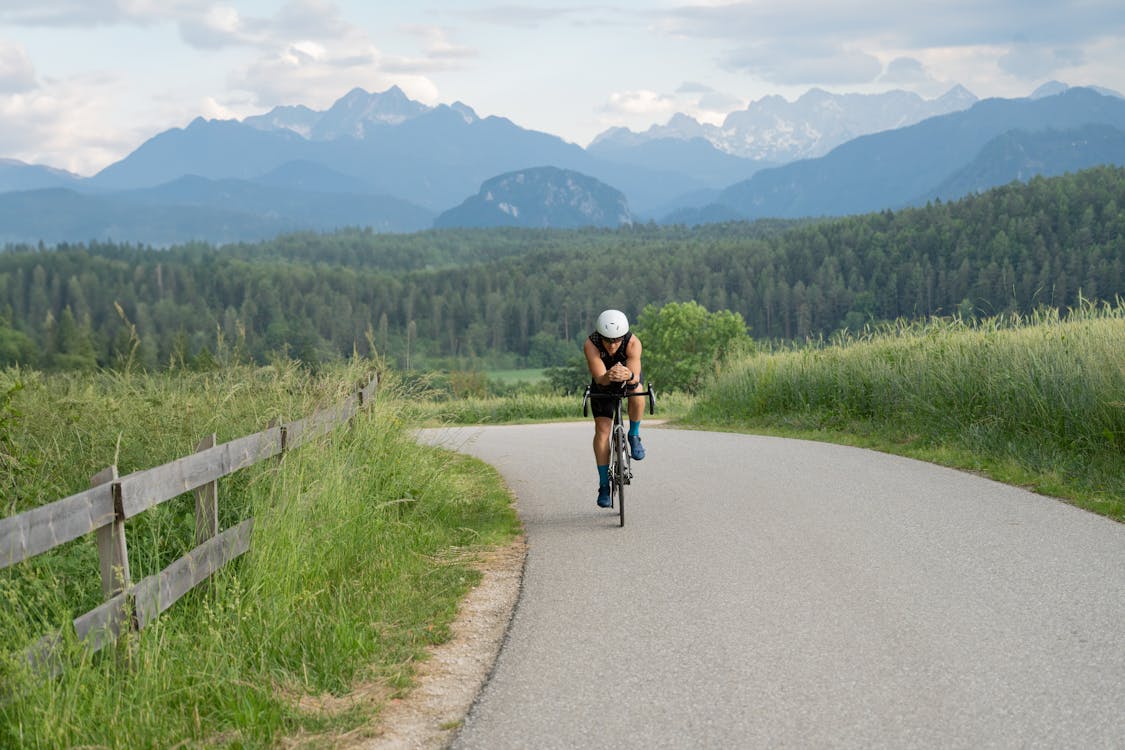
619, 469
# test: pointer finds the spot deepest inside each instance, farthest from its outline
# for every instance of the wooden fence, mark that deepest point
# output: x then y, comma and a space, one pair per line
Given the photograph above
111, 500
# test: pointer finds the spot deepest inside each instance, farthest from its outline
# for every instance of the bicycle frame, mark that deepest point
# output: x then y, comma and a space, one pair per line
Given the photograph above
620, 460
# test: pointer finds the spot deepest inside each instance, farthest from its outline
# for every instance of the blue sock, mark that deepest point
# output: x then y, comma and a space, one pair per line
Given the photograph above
635, 427
603, 475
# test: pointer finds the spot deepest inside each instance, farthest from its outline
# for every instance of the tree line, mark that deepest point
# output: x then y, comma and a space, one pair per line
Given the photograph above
509, 297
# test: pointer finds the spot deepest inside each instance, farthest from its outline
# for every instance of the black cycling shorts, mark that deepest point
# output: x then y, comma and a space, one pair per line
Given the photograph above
603, 407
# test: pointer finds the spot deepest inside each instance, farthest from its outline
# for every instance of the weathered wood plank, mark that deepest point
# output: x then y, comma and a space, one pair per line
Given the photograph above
311, 427
43, 655
143, 489
158, 592
99, 627
369, 390
113, 554
105, 623
206, 502
40, 529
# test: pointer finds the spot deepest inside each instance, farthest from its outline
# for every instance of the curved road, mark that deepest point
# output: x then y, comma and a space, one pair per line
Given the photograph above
779, 593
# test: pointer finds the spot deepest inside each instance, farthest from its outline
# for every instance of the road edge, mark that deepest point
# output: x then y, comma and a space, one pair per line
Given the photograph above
449, 681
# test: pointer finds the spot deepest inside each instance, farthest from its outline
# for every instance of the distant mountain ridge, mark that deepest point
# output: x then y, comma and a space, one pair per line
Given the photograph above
385, 161
902, 167
1021, 155
541, 197
775, 130
17, 175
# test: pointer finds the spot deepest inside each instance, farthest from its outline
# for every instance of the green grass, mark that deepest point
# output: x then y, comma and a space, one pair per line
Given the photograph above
512, 377
1037, 401
523, 408
363, 545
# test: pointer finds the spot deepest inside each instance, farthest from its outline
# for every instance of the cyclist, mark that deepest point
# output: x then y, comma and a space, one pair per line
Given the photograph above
613, 355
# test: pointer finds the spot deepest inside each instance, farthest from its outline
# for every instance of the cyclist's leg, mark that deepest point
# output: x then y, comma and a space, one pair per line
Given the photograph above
602, 428
636, 411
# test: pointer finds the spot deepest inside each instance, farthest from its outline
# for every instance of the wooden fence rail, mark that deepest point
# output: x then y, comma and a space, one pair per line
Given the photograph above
111, 500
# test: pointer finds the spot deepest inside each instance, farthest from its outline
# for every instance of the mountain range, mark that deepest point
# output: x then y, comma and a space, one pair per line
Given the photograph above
385, 161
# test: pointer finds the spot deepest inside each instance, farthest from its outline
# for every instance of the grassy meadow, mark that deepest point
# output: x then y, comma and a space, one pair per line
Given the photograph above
1036, 401
363, 545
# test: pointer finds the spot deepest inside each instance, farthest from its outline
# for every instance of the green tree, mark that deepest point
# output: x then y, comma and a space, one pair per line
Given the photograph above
16, 347
683, 342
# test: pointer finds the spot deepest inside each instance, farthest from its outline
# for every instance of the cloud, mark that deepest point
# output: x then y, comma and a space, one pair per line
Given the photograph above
85, 13
784, 65
693, 87
438, 53
71, 123
639, 103
905, 70
1034, 61
900, 25
817, 42
17, 73
522, 16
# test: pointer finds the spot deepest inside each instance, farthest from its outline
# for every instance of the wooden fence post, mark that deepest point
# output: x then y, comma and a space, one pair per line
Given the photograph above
206, 501
113, 555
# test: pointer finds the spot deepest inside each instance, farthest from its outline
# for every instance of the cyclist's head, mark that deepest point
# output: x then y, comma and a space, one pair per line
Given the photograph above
612, 324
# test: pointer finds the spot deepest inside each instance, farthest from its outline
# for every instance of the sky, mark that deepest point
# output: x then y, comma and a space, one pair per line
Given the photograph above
85, 82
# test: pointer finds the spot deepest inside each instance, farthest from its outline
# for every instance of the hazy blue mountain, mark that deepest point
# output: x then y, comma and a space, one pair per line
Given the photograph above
315, 178
1021, 155
194, 208
60, 215
894, 168
430, 156
696, 158
1052, 88
16, 175
775, 130
385, 161
350, 116
215, 149
317, 210
541, 197
296, 118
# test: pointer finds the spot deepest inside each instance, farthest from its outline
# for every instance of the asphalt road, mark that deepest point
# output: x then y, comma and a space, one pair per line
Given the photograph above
769, 593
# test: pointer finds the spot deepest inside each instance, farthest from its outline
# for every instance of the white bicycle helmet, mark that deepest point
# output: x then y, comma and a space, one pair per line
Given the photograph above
612, 324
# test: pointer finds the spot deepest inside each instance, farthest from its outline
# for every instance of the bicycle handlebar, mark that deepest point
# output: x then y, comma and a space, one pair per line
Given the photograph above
651, 393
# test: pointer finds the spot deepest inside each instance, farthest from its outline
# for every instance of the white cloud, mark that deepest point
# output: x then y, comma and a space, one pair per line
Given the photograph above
521, 16
72, 124
17, 73
85, 13
780, 64
640, 103
1034, 61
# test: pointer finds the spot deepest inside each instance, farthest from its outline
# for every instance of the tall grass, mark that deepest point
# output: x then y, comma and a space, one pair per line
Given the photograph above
524, 407
1042, 395
362, 547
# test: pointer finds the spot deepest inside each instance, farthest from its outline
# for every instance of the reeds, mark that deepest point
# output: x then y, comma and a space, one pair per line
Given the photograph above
1045, 391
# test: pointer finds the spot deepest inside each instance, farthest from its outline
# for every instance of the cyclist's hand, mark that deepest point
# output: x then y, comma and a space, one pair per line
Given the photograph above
619, 373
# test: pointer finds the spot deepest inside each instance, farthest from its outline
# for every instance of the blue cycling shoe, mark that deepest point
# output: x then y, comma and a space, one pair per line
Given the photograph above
604, 500
636, 450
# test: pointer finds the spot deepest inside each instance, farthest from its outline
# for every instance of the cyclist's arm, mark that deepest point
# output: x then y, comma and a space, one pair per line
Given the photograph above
598, 372
633, 361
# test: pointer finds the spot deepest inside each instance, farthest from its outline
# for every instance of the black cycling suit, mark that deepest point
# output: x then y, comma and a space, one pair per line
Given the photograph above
603, 407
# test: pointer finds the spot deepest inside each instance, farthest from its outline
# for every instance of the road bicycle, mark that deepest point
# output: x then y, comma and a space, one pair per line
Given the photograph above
620, 460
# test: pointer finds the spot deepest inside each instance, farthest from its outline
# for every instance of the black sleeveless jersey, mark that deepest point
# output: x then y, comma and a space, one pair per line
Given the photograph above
609, 360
